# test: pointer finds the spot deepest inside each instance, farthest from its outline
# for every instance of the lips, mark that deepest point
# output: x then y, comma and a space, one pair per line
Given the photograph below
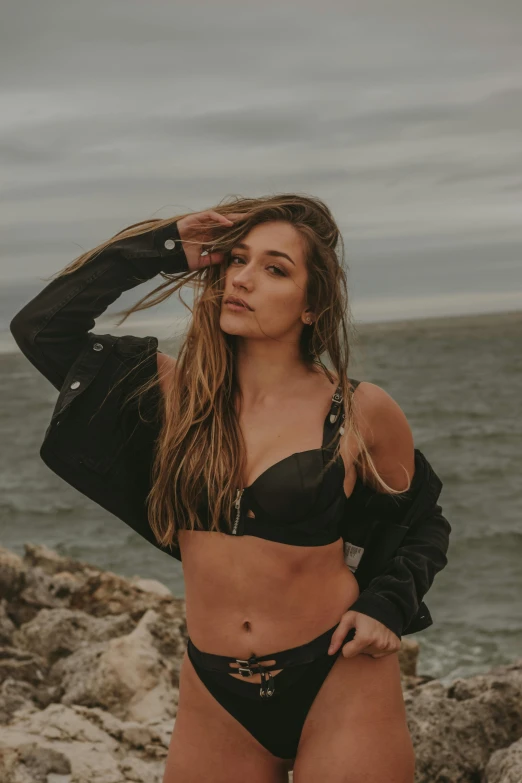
235, 300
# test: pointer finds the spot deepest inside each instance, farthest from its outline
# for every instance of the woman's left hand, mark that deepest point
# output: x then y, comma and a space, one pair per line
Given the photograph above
371, 637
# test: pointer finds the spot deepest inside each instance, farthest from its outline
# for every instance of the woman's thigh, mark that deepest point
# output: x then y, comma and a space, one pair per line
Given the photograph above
209, 744
356, 729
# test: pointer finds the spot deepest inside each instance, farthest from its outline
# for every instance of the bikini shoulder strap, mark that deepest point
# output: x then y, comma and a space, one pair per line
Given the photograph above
354, 384
335, 408
337, 400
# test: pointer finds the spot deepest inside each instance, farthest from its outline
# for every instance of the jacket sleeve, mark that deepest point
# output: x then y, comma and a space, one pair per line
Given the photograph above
394, 595
53, 328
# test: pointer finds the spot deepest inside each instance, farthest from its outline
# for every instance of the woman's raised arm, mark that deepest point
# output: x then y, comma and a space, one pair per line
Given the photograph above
53, 328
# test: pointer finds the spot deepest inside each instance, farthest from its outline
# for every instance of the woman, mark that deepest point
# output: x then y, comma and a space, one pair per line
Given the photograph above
260, 447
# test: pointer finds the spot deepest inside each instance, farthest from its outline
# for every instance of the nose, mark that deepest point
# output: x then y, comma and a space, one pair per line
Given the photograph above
243, 277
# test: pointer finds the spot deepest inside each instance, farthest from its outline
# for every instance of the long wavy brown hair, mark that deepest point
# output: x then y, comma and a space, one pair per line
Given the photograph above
200, 452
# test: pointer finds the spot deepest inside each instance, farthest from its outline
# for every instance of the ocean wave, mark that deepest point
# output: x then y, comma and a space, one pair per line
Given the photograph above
54, 508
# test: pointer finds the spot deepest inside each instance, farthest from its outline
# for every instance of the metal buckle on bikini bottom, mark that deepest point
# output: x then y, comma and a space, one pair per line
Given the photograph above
246, 670
268, 681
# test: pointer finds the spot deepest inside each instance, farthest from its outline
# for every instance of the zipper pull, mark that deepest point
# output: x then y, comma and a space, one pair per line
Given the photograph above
237, 504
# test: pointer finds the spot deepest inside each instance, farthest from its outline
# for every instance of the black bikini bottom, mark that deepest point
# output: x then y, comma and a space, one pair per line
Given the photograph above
273, 711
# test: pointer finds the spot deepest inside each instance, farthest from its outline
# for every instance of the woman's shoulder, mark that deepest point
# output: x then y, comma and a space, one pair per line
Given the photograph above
368, 393
375, 403
387, 433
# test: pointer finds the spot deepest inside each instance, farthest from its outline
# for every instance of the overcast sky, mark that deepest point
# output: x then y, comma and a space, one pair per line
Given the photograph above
405, 117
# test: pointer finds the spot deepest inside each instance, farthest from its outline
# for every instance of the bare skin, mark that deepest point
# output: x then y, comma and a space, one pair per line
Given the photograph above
241, 591
254, 585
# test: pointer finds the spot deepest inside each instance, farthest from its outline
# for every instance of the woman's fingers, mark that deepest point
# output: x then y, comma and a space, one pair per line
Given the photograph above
209, 256
237, 215
198, 237
212, 257
211, 214
346, 622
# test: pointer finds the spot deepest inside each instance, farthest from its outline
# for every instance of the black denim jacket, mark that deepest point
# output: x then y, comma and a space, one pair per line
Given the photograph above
104, 449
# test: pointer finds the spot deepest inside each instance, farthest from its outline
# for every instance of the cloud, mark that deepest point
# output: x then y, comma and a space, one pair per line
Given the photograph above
405, 118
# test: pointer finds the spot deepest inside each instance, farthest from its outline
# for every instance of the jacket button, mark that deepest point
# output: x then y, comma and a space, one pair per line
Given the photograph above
170, 244
75, 384
97, 347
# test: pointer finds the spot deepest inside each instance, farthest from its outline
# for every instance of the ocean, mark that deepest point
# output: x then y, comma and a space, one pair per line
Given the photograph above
459, 382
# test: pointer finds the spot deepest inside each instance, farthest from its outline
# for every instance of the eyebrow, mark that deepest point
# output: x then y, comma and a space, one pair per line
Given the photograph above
244, 246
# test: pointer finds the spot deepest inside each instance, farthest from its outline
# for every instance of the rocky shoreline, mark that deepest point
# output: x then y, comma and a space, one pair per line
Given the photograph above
89, 674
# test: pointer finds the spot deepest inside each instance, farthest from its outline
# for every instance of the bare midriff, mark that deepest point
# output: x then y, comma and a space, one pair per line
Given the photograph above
249, 596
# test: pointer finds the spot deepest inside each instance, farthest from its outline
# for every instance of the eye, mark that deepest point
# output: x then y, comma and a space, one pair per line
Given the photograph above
280, 272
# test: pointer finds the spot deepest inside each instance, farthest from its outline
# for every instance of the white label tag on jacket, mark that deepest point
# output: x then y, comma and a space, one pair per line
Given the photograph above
352, 555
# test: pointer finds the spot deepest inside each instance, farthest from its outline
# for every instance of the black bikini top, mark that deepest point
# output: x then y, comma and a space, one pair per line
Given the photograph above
295, 501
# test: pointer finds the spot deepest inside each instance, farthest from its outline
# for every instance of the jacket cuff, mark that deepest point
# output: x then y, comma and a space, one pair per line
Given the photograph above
154, 251
170, 247
380, 609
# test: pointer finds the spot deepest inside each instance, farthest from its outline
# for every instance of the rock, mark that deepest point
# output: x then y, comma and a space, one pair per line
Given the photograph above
150, 586
62, 740
62, 586
408, 657
154, 734
89, 684
105, 593
57, 633
89, 672
126, 675
41, 590
505, 766
6, 624
41, 762
21, 665
14, 694
12, 574
456, 728
9, 765
49, 561
169, 634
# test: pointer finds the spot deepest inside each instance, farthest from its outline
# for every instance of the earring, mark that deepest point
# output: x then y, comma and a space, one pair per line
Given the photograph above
308, 320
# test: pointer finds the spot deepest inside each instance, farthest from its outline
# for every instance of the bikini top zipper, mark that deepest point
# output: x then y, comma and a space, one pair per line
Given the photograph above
337, 398
237, 504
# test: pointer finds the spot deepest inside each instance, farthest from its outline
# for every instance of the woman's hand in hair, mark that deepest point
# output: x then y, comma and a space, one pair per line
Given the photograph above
197, 230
